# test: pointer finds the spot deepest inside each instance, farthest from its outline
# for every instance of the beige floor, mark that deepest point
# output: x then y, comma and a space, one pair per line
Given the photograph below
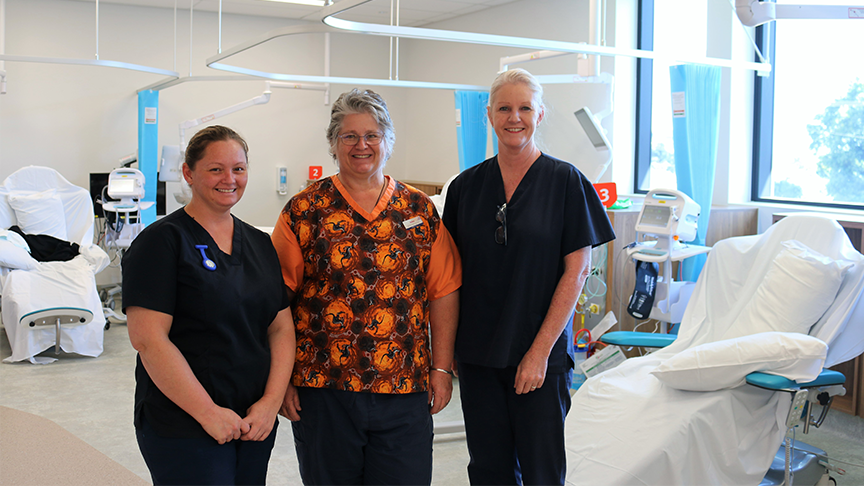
92, 399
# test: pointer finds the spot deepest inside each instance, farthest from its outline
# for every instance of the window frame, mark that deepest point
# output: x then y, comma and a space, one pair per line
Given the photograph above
644, 95
763, 115
763, 128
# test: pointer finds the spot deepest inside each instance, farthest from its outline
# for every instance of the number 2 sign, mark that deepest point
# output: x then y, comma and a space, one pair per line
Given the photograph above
608, 193
315, 172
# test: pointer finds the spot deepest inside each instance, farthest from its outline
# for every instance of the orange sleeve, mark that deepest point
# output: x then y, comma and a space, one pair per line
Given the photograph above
445, 266
288, 249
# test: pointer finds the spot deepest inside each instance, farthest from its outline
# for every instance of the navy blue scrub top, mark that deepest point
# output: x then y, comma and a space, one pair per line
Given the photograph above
506, 290
220, 318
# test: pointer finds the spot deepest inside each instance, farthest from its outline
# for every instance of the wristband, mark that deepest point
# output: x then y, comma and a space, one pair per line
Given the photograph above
442, 371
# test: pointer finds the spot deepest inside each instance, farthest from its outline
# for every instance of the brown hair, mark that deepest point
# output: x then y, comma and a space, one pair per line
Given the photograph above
205, 136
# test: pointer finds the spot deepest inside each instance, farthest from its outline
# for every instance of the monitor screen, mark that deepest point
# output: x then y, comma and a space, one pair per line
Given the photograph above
98, 180
121, 187
655, 216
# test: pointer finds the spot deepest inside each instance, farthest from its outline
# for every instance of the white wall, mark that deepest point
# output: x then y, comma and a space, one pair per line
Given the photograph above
82, 119
431, 136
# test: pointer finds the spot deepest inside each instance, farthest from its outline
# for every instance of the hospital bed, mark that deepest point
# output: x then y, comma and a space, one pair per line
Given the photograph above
786, 304
55, 303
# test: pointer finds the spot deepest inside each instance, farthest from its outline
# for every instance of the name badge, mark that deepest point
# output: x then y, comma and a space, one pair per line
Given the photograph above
415, 221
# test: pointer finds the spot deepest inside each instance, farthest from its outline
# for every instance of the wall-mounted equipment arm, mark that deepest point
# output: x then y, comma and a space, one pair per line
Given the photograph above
258, 100
753, 12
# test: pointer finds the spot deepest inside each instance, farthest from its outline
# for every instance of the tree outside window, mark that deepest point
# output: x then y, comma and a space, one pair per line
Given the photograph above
838, 141
814, 149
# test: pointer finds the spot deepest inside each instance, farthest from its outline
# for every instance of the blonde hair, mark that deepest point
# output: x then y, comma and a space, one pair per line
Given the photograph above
515, 76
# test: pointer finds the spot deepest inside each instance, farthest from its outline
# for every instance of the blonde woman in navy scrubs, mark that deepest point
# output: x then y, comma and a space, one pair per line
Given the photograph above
209, 316
524, 223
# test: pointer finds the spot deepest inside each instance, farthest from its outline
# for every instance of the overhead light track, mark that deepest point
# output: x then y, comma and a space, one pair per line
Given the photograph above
90, 62
79, 62
214, 62
333, 24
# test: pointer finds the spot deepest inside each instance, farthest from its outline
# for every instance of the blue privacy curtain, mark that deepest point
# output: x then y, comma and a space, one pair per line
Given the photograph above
148, 149
471, 127
695, 130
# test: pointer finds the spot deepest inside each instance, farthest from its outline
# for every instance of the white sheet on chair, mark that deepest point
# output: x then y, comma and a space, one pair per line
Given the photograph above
626, 427
644, 432
53, 284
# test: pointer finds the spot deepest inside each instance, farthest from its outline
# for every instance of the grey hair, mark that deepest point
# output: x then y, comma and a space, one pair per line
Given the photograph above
356, 102
515, 76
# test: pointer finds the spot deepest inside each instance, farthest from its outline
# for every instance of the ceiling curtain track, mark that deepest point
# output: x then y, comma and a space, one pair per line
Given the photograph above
328, 17
81, 62
334, 24
214, 63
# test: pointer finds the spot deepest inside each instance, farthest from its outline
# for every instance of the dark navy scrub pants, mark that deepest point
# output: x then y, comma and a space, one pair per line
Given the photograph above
202, 460
514, 439
347, 437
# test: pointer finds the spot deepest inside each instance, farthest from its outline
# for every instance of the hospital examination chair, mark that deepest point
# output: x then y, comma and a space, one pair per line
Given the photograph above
785, 304
55, 303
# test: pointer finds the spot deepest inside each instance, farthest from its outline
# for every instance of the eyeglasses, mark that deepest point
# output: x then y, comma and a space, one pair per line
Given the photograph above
501, 232
354, 139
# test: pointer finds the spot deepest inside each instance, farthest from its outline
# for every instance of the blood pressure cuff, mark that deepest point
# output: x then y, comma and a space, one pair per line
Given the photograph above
642, 299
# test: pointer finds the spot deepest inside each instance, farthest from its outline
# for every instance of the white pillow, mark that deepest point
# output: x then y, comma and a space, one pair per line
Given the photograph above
12, 256
798, 288
725, 364
40, 213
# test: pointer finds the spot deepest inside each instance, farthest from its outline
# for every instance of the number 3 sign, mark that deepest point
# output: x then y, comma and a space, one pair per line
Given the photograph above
608, 193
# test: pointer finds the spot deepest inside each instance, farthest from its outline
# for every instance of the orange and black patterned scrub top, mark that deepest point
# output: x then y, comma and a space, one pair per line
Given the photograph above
363, 284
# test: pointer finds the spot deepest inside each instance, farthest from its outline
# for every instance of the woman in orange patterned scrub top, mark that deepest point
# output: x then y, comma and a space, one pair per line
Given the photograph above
375, 276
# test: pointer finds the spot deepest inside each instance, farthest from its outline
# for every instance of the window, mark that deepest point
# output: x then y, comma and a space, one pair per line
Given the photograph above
644, 78
809, 116
808, 141
663, 25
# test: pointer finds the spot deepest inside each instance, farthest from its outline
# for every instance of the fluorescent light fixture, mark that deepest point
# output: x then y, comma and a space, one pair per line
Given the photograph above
314, 3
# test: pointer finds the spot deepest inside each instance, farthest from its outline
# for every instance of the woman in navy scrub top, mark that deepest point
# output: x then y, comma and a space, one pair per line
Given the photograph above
209, 316
524, 223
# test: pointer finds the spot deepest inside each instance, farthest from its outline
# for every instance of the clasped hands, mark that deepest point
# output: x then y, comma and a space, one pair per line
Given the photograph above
224, 425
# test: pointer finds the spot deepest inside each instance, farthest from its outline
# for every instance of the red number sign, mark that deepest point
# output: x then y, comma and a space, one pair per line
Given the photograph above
608, 193
315, 172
